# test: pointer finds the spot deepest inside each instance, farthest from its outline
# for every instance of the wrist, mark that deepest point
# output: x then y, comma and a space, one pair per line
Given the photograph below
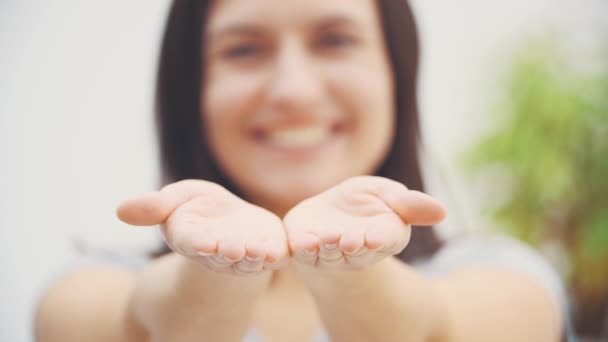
387, 288
174, 293
193, 276
327, 280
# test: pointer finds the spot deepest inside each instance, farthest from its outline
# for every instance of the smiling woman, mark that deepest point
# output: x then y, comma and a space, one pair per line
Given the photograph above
289, 137
348, 76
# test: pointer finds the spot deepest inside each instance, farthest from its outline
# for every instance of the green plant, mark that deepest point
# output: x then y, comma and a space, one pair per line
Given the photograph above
552, 148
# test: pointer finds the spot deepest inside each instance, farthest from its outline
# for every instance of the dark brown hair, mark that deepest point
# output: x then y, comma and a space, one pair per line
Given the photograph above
184, 151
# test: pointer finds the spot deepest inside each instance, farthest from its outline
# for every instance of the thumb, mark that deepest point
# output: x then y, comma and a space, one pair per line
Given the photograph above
155, 207
414, 207
145, 209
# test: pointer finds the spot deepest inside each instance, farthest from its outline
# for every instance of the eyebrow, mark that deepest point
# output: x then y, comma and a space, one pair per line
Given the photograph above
336, 20
256, 30
238, 29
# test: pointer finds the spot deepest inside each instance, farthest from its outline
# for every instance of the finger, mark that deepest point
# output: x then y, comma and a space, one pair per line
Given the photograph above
231, 249
352, 240
362, 258
362, 251
155, 207
376, 239
204, 245
250, 265
142, 210
218, 261
414, 207
255, 250
275, 251
304, 248
330, 236
303, 242
399, 238
330, 252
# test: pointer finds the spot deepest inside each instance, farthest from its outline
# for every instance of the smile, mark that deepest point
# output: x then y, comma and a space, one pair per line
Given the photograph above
298, 138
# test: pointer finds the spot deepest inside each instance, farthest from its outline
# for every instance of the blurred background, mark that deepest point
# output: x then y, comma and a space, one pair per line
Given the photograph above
514, 102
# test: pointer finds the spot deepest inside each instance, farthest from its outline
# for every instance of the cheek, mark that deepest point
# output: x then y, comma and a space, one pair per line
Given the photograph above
366, 95
225, 106
226, 96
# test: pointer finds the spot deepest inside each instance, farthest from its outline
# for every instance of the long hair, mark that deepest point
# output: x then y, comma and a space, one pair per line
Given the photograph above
184, 152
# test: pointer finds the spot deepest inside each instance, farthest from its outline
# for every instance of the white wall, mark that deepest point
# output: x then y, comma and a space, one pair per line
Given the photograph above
75, 136
76, 131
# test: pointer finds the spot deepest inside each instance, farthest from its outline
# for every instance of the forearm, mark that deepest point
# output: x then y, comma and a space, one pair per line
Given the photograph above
176, 299
388, 301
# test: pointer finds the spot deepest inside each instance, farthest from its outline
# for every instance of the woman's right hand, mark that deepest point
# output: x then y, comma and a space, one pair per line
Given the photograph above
205, 222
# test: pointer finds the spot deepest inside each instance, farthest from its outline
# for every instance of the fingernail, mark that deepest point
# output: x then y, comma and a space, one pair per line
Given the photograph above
229, 260
307, 252
248, 258
350, 253
271, 262
375, 249
204, 254
220, 259
331, 246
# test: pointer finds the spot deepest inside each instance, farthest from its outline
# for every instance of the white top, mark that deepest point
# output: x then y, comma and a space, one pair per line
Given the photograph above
495, 251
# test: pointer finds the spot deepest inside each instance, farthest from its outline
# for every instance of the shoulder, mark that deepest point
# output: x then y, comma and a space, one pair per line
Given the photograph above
492, 249
87, 299
497, 251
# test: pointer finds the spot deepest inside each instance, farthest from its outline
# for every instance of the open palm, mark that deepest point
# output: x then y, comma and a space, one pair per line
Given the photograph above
357, 223
207, 223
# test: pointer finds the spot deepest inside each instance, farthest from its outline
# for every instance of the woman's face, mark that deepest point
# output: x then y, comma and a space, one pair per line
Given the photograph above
298, 95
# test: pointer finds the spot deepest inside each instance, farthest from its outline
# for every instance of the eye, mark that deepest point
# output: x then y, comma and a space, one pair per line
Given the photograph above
336, 40
242, 51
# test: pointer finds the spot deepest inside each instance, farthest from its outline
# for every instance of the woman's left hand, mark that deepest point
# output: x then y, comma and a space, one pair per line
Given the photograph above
357, 223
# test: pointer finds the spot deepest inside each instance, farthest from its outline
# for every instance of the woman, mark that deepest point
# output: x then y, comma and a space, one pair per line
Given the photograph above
271, 114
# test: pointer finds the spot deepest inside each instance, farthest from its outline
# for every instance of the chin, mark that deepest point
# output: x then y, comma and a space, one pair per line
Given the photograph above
283, 189
296, 190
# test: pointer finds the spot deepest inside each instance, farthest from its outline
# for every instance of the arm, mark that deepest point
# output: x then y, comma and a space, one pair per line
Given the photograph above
78, 308
390, 301
206, 292
499, 305
172, 300
178, 300
387, 301
207, 289
356, 225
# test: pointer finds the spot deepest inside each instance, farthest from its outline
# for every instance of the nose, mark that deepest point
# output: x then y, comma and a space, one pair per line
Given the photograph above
294, 84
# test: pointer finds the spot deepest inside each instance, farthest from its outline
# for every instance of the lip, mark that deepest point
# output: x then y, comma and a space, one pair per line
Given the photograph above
259, 137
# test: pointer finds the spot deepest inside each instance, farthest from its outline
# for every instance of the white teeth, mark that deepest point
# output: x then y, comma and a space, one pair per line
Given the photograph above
299, 137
